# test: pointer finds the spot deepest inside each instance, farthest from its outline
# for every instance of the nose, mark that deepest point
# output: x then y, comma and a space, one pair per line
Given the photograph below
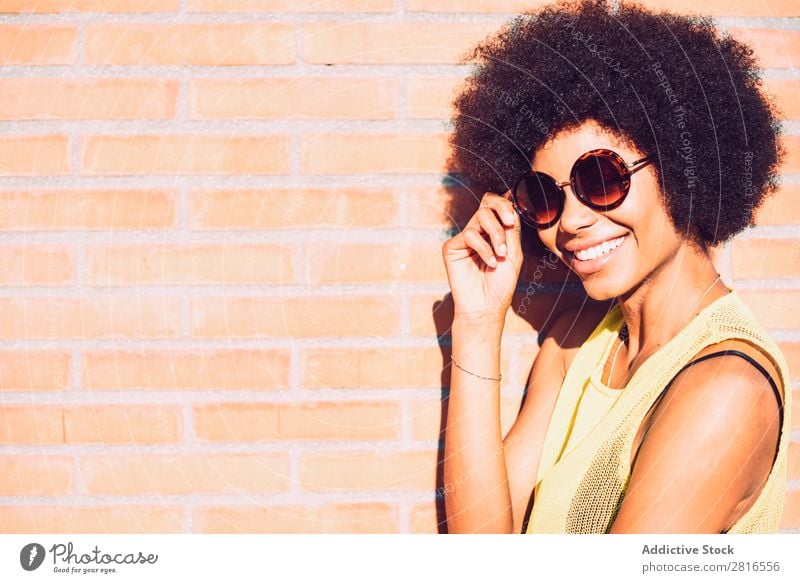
576, 215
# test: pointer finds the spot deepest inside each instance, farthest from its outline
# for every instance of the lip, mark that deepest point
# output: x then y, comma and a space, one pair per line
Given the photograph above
593, 265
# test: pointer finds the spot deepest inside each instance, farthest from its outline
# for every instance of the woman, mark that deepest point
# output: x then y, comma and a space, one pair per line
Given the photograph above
629, 142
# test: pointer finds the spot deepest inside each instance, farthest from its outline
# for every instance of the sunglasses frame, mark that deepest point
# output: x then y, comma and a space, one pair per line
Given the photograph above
626, 170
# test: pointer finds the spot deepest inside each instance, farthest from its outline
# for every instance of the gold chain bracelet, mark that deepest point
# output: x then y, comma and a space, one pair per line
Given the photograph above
473, 374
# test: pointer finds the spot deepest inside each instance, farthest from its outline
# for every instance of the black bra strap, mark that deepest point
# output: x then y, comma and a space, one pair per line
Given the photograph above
755, 364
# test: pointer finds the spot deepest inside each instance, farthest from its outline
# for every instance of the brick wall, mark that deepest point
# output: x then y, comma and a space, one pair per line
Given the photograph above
221, 224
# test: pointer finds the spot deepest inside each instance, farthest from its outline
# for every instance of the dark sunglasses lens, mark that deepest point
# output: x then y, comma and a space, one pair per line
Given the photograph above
538, 198
601, 181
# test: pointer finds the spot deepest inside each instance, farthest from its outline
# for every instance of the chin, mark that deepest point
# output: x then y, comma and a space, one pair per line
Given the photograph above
603, 288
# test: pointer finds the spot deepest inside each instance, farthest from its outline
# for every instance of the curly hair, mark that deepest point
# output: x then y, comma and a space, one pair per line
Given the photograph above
666, 84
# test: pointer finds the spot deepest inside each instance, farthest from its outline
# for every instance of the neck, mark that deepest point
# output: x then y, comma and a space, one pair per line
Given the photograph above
657, 309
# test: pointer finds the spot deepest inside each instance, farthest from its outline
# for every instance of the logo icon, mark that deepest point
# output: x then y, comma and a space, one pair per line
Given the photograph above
31, 556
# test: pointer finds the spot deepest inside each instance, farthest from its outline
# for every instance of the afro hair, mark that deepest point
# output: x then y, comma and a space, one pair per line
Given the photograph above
671, 85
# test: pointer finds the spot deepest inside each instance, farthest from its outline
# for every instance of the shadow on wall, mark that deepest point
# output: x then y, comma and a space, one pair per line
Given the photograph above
545, 289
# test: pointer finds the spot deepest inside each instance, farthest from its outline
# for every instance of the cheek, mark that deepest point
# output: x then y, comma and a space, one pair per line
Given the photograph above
547, 238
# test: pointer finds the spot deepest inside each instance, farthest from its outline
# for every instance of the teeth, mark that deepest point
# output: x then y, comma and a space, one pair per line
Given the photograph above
598, 250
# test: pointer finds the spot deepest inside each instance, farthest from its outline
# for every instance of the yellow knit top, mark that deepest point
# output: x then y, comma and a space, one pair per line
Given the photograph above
585, 465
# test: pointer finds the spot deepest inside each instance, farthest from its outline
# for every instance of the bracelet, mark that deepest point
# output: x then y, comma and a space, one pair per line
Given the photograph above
473, 374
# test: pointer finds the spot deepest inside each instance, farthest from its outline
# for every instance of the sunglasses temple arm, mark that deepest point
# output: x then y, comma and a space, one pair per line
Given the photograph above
639, 164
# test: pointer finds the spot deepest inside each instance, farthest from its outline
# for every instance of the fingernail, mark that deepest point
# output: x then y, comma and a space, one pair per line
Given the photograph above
502, 249
510, 219
492, 261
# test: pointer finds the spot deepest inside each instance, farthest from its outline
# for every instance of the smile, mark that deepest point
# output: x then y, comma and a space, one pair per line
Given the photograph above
598, 250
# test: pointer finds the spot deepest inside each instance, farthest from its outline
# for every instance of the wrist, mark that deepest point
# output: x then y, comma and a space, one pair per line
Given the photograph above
479, 319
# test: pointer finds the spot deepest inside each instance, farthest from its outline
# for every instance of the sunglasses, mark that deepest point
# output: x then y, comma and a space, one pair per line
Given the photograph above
599, 178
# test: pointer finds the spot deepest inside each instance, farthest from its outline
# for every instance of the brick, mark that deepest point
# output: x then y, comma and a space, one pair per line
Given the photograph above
794, 461
34, 156
428, 417
782, 208
227, 473
482, 6
63, 519
189, 265
37, 45
773, 48
407, 153
287, 208
774, 309
218, 44
433, 315
36, 475
426, 519
791, 510
792, 160
184, 154
404, 261
77, 99
119, 424
36, 265
47, 210
89, 6
186, 369
762, 258
224, 317
295, 98
388, 43
24, 425
34, 370
29, 317
429, 207
364, 518
431, 97
380, 367
363, 471
289, 5
791, 351
795, 410
338, 420
787, 94
103, 424
774, 8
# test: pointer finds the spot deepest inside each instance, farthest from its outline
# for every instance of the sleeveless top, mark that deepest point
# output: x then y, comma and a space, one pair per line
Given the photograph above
584, 469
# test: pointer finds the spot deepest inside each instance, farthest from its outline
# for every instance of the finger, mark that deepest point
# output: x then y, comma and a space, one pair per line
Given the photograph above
476, 241
502, 205
513, 239
487, 219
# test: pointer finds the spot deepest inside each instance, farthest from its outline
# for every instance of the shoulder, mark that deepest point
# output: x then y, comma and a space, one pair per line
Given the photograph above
760, 355
709, 447
722, 391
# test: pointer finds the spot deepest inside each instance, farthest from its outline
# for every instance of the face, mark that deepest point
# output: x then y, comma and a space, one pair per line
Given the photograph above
635, 239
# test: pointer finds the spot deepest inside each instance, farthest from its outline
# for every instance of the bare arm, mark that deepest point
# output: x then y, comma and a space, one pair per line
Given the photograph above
477, 496
522, 446
710, 446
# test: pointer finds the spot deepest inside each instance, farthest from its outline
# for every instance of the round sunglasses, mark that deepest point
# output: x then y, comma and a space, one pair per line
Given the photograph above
599, 178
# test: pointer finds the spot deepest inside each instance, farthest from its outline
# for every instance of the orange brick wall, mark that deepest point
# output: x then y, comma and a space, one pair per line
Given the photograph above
220, 231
